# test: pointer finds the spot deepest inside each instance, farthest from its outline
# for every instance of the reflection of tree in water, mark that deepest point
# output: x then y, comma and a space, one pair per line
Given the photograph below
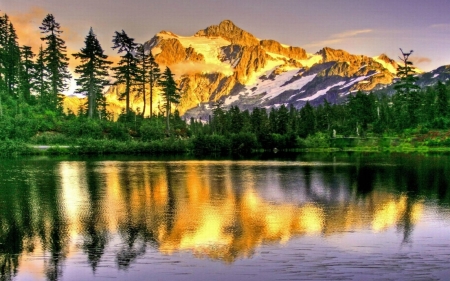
93, 224
134, 230
10, 249
30, 214
53, 228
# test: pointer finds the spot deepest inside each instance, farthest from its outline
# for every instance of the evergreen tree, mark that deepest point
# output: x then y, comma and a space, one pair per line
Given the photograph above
93, 72
407, 98
171, 94
143, 73
11, 59
361, 108
282, 120
441, 100
56, 62
154, 75
307, 121
127, 70
3, 55
40, 77
26, 72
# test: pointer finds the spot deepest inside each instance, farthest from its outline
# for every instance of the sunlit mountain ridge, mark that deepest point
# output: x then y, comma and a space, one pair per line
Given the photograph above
226, 64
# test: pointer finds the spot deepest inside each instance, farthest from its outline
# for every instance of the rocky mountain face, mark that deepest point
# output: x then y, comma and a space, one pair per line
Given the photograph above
226, 64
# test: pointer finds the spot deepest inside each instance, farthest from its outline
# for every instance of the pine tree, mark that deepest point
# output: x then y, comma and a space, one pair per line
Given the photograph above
26, 72
40, 77
56, 62
307, 124
3, 55
12, 61
441, 100
127, 70
93, 72
407, 98
143, 76
154, 75
171, 94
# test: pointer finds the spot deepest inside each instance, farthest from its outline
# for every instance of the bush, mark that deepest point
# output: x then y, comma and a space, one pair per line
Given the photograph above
243, 143
48, 138
440, 123
83, 128
9, 147
117, 131
318, 140
206, 144
152, 129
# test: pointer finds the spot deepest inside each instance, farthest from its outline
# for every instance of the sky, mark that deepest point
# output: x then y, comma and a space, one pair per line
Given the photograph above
362, 27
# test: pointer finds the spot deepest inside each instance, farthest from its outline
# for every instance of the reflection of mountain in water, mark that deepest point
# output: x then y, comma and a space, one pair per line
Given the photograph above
218, 210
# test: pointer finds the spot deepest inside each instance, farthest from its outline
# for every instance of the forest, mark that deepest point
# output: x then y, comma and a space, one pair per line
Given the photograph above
32, 113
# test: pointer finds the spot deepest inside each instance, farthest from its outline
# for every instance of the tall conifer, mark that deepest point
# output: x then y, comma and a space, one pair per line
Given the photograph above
171, 94
125, 72
41, 84
26, 72
93, 72
56, 62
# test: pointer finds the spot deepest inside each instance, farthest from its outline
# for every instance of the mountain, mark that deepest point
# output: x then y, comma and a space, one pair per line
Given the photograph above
224, 63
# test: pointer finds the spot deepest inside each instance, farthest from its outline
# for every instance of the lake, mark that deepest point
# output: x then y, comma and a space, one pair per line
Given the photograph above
340, 216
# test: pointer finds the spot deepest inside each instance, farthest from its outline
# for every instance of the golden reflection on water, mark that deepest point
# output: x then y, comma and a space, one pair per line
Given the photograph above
213, 211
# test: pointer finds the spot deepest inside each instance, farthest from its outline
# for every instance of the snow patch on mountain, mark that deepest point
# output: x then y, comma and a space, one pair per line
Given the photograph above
272, 88
269, 67
322, 92
356, 80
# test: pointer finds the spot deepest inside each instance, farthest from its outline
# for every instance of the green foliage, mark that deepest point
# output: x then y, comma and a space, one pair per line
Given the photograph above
243, 143
318, 140
93, 73
56, 63
126, 71
171, 94
207, 144
83, 128
17, 128
104, 146
14, 147
152, 129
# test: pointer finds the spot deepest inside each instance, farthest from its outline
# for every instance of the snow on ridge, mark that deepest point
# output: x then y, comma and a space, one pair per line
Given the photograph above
436, 75
356, 80
273, 88
321, 92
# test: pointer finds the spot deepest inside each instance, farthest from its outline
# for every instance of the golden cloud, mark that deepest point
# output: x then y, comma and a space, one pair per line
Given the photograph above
27, 27
419, 60
339, 37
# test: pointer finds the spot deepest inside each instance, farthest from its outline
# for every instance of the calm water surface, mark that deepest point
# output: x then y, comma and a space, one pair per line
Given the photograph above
306, 217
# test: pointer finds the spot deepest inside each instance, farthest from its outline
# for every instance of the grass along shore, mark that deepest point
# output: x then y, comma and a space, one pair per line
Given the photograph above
236, 144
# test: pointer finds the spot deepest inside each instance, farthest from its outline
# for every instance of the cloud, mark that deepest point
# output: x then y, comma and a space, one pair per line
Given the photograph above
441, 26
351, 33
27, 27
339, 37
419, 60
